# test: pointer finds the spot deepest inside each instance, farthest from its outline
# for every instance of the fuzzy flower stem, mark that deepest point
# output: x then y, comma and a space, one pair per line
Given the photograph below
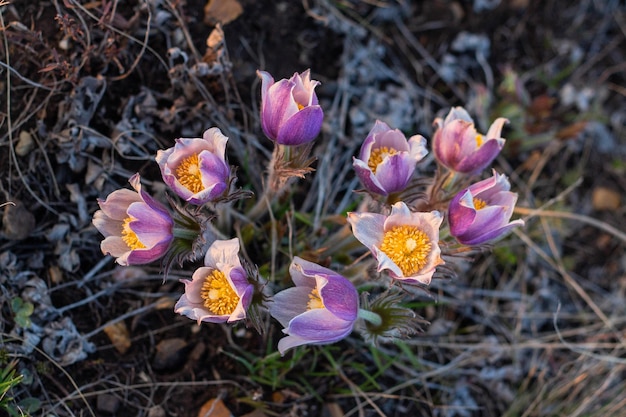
184, 233
370, 316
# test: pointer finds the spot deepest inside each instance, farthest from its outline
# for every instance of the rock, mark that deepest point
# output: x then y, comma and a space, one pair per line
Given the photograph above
170, 354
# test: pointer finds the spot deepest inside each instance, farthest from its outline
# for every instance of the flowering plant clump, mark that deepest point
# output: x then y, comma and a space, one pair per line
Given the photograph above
407, 223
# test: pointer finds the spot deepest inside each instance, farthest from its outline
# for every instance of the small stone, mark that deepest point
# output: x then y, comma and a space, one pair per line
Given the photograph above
108, 403
170, 354
25, 144
605, 199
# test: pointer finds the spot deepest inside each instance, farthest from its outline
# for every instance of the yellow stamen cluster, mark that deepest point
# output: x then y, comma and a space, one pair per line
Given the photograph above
189, 175
219, 297
300, 106
129, 237
408, 247
479, 140
378, 155
479, 204
315, 300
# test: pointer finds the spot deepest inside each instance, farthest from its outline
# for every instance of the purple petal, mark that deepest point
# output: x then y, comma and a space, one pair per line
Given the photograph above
289, 342
395, 172
145, 256
340, 297
368, 179
277, 106
475, 162
302, 127
117, 202
319, 326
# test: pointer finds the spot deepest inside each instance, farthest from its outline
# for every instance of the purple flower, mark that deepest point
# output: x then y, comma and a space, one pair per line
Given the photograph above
196, 169
387, 160
290, 114
136, 228
320, 309
459, 147
404, 243
218, 292
482, 212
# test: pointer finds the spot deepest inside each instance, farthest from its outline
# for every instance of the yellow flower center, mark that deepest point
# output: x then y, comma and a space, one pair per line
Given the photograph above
315, 300
378, 155
479, 204
300, 106
479, 140
408, 247
189, 175
219, 297
129, 237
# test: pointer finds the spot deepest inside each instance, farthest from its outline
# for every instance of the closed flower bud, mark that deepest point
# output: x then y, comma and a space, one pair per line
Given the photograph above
459, 147
290, 113
482, 212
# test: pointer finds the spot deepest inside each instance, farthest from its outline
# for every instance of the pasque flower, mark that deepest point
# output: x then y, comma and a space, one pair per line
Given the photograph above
136, 228
290, 113
387, 160
482, 212
219, 291
322, 308
458, 146
406, 244
196, 168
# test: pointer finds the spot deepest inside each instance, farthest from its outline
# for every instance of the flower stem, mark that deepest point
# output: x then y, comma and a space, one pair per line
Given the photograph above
370, 316
186, 234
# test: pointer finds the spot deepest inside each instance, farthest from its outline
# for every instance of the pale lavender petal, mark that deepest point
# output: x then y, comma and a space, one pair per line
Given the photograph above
385, 262
417, 147
495, 130
368, 179
368, 228
145, 256
290, 342
114, 246
394, 139
481, 158
277, 106
223, 251
194, 287
289, 303
106, 225
491, 235
117, 202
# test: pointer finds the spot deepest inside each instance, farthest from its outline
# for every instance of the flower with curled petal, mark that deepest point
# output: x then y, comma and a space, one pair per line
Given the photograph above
137, 229
219, 292
322, 308
406, 244
459, 147
481, 212
387, 160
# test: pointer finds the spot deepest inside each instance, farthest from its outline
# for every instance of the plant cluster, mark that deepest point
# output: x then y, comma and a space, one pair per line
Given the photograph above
411, 221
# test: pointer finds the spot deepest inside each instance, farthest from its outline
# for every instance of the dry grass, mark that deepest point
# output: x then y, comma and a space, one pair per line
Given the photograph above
92, 89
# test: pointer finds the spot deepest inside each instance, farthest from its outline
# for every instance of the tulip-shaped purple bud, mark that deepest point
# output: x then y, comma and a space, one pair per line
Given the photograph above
290, 113
482, 212
406, 244
137, 229
196, 169
387, 160
322, 308
219, 292
460, 148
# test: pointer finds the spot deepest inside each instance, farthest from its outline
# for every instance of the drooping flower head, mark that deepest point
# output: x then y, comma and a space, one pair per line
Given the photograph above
322, 308
196, 169
406, 244
459, 147
137, 229
219, 291
290, 113
482, 212
387, 160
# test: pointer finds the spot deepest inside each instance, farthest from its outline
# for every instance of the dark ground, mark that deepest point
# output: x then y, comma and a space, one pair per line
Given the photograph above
86, 103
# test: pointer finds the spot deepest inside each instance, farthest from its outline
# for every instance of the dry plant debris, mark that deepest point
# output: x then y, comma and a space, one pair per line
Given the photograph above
92, 89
